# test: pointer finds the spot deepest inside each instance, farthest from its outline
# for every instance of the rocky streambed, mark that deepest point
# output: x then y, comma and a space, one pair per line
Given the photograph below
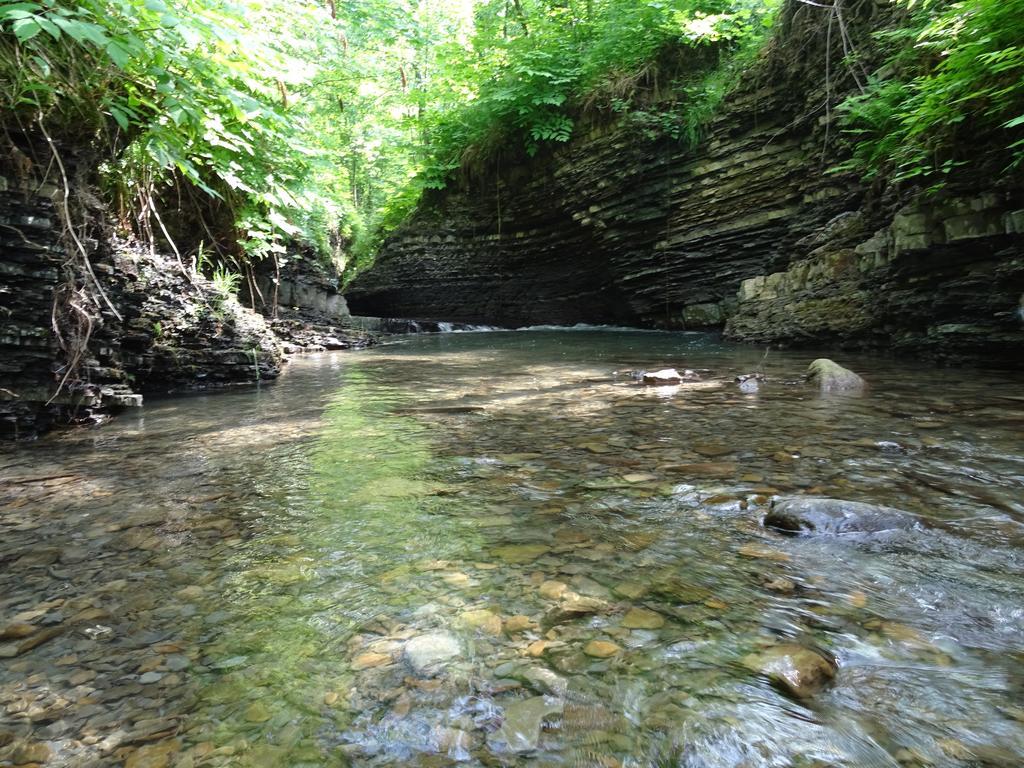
491, 549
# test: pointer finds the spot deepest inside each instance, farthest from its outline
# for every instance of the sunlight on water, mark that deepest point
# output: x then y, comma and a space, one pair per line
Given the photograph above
490, 549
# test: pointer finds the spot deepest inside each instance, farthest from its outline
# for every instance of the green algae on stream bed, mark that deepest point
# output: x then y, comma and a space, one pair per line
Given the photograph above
484, 549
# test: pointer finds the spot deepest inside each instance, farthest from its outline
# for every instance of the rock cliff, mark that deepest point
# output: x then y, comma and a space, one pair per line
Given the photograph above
748, 230
173, 332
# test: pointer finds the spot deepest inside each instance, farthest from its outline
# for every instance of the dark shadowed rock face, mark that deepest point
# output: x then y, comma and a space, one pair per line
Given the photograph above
748, 230
823, 517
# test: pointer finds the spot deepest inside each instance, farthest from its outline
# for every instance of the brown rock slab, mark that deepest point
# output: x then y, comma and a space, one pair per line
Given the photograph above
17, 631
759, 552
518, 623
370, 660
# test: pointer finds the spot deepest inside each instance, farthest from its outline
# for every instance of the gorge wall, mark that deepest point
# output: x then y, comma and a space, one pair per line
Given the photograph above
746, 231
175, 331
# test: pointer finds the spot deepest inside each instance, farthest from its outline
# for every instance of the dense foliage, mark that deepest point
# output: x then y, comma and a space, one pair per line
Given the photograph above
196, 94
247, 125
298, 119
954, 82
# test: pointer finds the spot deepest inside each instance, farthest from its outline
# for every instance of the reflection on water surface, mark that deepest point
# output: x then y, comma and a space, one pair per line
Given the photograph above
484, 549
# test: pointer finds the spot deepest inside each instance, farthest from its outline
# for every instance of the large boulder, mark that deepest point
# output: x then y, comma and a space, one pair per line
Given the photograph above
829, 376
820, 516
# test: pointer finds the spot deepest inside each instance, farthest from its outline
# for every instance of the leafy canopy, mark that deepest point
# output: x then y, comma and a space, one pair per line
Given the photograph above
205, 91
322, 120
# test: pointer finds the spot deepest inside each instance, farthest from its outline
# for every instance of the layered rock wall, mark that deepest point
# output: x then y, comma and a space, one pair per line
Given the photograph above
175, 331
944, 277
629, 227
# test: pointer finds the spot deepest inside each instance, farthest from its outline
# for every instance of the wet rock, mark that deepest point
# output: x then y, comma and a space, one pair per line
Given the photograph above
758, 552
41, 556
631, 589
642, 618
518, 623
454, 742
517, 554
639, 477
257, 712
370, 660
750, 383
34, 641
552, 590
544, 680
601, 649
17, 631
520, 730
702, 469
829, 376
153, 755
821, 516
427, 654
572, 608
483, 620
538, 648
666, 376
30, 753
799, 671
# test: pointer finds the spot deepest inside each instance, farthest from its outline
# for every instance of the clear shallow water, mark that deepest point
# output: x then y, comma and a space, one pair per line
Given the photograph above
236, 579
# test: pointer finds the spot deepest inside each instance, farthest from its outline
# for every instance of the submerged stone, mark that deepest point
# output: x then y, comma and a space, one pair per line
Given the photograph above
520, 730
482, 619
257, 712
821, 516
370, 660
601, 649
427, 654
544, 680
520, 553
642, 618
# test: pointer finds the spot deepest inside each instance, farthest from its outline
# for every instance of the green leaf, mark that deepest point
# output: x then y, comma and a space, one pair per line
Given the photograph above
120, 117
119, 54
26, 29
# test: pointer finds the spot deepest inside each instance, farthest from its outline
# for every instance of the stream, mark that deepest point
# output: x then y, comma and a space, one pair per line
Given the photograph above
488, 549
